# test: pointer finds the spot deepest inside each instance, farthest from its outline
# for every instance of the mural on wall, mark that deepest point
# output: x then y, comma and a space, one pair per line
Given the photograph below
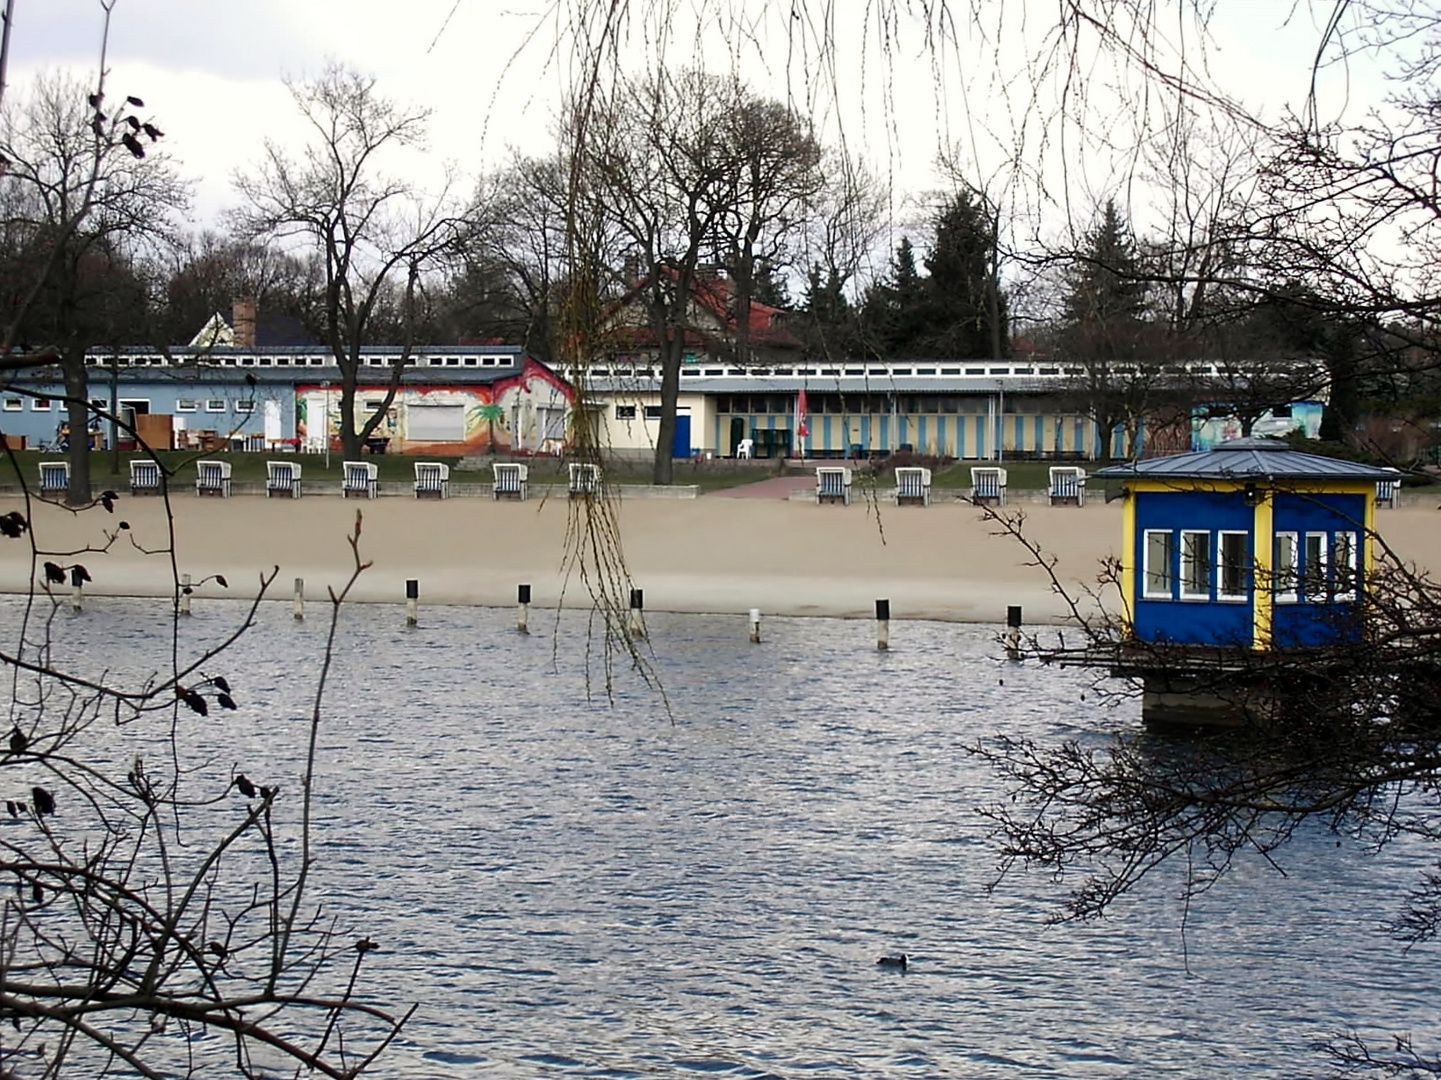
521, 413
1303, 417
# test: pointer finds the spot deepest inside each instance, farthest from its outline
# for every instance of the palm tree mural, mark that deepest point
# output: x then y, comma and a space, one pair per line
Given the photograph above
490, 413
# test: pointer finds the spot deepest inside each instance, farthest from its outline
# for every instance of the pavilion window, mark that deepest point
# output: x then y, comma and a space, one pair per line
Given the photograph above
1158, 571
1313, 567
1344, 563
1287, 578
1233, 566
1195, 564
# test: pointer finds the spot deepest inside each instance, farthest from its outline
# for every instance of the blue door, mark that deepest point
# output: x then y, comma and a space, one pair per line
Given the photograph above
681, 446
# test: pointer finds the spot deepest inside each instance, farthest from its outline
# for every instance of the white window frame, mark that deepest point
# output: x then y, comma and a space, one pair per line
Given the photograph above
1286, 576
1344, 561
246, 406
215, 404
187, 405
1244, 593
1148, 572
1189, 537
653, 412
14, 404
1315, 579
40, 404
625, 412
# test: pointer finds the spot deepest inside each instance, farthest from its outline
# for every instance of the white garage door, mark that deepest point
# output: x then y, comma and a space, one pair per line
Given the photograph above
435, 423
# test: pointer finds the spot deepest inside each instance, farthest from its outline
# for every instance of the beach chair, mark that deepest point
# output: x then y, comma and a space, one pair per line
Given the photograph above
833, 484
988, 485
1387, 490
584, 480
432, 479
511, 480
282, 478
358, 478
1068, 486
212, 478
913, 486
54, 479
144, 477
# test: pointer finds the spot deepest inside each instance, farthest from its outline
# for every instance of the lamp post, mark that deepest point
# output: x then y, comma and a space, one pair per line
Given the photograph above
325, 423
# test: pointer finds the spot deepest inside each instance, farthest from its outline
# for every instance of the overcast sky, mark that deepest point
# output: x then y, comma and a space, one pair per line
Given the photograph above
211, 74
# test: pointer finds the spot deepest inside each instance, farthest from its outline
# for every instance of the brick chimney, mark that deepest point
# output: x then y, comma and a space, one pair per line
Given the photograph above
242, 319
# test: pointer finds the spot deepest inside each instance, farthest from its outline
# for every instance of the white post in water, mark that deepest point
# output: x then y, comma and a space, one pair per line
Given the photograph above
522, 614
1013, 632
883, 624
77, 589
755, 626
185, 594
637, 616
299, 598
412, 602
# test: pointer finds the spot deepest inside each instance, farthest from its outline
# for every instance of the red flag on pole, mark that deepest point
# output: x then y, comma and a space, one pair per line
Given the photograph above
802, 428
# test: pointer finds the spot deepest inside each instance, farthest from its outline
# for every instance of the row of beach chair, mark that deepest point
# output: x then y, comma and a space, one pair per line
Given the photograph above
988, 485
358, 479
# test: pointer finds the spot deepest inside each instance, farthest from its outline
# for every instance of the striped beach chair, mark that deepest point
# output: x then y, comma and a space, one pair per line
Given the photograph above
833, 484
144, 477
988, 485
54, 479
1387, 490
358, 478
212, 478
584, 480
282, 480
432, 480
913, 486
1068, 486
512, 479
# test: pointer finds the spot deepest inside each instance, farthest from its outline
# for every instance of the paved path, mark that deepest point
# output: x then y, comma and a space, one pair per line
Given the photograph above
777, 487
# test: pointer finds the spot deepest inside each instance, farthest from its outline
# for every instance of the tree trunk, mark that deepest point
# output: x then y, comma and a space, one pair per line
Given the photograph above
77, 416
349, 437
671, 351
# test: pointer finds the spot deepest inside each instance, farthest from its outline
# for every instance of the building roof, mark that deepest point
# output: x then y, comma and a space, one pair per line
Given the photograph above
1247, 459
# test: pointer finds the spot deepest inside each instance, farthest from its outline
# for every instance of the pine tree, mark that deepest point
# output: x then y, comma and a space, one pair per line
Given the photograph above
965, 314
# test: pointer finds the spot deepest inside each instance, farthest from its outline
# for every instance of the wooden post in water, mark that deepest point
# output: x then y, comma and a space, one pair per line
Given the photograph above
1013, 632
299, 598
522, 614
77, 589
637, 615
185, 594
883, 624
412, 602
755, 626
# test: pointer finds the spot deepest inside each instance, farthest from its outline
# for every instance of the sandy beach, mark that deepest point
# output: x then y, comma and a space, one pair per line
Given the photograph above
704, 555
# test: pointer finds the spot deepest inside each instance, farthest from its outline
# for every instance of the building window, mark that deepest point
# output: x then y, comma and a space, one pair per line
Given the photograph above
14, 404
1233, 566
40, 404
374, 405
1344, 563
652, 412
1313, 567
186, 405
1157, 573
625, 412
215, 404
247, 406
1287, 579
1195, 565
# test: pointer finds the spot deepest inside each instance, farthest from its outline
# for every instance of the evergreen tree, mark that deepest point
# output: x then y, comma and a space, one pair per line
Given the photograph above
964, 313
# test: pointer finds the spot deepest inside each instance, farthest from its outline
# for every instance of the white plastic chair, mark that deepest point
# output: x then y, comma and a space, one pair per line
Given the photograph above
746, 448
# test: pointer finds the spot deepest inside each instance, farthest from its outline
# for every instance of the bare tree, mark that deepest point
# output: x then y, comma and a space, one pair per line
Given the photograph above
372, 233
84, 195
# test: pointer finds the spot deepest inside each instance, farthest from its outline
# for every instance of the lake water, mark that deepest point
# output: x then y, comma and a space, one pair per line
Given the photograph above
573, 887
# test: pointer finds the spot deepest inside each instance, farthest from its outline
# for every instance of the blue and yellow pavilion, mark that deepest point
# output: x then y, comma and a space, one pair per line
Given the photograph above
1250, 544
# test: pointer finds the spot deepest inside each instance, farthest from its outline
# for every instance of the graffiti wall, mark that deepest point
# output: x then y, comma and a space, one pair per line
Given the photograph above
521, 413
1303, 416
